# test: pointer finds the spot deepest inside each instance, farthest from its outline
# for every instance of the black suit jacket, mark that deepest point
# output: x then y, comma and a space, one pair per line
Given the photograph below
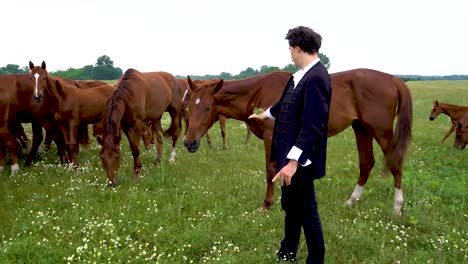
311, 120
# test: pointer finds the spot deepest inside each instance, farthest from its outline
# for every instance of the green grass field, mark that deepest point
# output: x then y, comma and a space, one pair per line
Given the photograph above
202, 208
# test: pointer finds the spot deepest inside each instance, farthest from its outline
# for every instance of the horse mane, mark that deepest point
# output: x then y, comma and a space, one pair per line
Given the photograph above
115, 109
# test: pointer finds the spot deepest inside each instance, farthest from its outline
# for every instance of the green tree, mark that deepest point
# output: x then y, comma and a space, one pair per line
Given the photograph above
13, 69
104, 60
225, 75
290, 68
268, 69
325, 60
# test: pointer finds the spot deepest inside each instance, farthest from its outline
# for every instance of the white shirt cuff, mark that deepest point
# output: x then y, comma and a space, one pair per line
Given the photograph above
295, 153
268, 114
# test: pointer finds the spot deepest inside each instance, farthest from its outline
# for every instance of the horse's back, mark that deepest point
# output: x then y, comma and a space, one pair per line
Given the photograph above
364, 93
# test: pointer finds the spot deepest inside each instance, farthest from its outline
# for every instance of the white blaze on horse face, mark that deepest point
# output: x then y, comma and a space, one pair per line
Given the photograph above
197, 101
36, 89
356, 195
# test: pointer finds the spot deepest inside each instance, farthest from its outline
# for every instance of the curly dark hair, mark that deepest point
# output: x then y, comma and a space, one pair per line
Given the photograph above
305, 38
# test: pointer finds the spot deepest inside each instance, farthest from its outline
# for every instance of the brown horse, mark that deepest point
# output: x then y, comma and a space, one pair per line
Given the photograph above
455, 112
8, 143
461, 134
139, 98
83, 137
365, 99
71, 106
220, 118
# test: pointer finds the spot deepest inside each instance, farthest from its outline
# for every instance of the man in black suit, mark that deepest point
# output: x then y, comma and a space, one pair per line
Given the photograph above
300, 144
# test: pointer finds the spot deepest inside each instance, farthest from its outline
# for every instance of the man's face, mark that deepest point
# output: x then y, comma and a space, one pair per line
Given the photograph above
295, 54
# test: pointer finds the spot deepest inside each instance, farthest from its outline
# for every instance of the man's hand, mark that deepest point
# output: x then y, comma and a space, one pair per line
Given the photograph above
286, 173
260, 116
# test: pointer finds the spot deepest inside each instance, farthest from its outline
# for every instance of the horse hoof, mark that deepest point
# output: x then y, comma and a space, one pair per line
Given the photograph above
14, 168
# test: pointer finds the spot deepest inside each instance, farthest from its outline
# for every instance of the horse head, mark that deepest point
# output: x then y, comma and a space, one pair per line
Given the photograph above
39, 73
436, 110
461, 133
202, 111
147, 134
111, 156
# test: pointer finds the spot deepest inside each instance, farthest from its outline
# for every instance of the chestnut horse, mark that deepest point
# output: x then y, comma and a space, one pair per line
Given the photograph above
71, 106
220, 118
367, 100
455, 112
8, 143
138, 99
461, 134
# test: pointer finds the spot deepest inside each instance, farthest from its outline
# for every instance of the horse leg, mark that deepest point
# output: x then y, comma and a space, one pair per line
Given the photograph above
13, 147
384, 140
36, 142
208, 140
133, 136
270, 172
222, 124
69, 135
366, 160
452, 128
48, 140
249, 133
82, 136
156, 129
57, 137
2, 155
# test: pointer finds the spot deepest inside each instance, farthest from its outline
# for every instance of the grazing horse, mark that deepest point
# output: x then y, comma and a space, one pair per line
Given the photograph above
71, 106
220, 118
138, 99
8, 143
364, 99
455, 112
461, 134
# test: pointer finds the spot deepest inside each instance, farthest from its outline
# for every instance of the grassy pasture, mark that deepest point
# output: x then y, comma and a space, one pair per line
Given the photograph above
202, 208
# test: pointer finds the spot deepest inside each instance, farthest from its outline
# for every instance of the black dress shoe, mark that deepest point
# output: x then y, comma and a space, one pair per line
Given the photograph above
288, 257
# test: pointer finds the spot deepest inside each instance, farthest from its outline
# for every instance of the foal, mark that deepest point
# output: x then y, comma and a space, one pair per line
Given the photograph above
455, 112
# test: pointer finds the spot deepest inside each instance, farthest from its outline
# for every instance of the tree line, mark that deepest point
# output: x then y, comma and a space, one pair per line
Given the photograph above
104, 70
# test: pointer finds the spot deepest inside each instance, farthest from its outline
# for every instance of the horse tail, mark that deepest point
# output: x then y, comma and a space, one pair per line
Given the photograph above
175, 109
83, 134
402, 134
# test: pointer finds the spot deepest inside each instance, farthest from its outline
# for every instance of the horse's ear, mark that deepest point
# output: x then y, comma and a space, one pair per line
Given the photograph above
31, 65
192, 85
436, 103
218, 87
43, 65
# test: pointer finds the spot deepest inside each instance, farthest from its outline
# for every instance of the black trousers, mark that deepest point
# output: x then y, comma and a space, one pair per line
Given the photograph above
300, 207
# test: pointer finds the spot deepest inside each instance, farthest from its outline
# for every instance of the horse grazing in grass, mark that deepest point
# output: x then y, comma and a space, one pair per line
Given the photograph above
139, 98
8, 143
71, 106
455, 112
221, 118
367, 100
461, 133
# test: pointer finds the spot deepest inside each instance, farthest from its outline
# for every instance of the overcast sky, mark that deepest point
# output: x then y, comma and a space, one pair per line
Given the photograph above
198, 37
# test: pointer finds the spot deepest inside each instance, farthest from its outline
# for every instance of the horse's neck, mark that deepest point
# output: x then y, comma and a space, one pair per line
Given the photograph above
54, 90
233, 99
455, 112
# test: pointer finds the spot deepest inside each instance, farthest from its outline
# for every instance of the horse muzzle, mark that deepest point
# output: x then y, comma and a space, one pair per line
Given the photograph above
431, 118
192, 146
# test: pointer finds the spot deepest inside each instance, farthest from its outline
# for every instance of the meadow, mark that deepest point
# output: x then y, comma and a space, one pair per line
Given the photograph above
203, 207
